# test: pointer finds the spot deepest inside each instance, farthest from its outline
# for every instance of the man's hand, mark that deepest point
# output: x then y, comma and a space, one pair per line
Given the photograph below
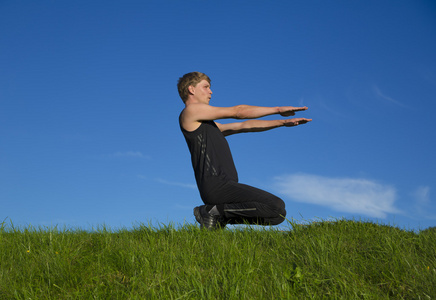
287, 111
295, 122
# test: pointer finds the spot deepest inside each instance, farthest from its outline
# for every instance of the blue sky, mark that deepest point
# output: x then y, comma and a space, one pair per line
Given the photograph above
89, 133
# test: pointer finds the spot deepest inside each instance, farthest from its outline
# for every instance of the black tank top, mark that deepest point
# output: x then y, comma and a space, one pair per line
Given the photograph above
210, 155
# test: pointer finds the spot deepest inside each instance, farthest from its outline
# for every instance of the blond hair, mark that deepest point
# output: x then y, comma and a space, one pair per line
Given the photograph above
187, 80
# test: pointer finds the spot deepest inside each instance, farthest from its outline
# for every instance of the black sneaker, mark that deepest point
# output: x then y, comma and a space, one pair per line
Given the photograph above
207, 220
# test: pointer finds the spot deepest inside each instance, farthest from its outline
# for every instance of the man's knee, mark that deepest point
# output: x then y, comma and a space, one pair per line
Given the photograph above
280, 212
281, 216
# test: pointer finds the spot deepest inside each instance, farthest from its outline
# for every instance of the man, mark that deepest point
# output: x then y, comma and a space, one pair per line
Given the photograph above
226, 200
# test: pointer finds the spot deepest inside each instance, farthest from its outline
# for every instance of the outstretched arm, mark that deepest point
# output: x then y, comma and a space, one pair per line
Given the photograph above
205, 112
254, 112
194, 113
259, 125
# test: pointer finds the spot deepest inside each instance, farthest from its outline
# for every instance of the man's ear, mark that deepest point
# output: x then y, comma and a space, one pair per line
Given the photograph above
191, 89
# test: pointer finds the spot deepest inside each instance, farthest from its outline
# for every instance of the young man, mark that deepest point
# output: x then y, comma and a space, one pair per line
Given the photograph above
226, 200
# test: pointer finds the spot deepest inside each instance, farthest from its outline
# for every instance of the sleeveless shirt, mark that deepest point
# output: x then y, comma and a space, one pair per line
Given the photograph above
211, 158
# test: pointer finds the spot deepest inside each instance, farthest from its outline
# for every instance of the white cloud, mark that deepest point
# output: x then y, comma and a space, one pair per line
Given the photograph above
349, 195
124, 155
423, 205
173, 183
166, 182
332, 111
136, 154
379, 94
422, 195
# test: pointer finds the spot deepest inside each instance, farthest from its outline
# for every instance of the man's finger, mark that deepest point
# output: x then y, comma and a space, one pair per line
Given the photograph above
299, 108
295, 122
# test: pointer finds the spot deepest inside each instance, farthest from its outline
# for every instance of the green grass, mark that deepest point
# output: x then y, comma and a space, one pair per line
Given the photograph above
331, 260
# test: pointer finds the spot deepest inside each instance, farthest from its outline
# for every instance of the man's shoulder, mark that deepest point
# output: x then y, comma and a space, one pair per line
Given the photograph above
190, 116
196, 111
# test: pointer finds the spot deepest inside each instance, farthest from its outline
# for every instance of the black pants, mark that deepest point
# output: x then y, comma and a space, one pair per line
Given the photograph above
240, 204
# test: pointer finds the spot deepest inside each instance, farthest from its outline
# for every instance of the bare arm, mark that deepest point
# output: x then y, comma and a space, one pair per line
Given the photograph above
259, 125
254, 112
194, 113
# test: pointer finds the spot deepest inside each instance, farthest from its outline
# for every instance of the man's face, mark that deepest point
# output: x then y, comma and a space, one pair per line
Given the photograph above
202, 92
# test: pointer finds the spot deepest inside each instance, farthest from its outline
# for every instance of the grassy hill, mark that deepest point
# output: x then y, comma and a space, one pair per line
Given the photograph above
332, 260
